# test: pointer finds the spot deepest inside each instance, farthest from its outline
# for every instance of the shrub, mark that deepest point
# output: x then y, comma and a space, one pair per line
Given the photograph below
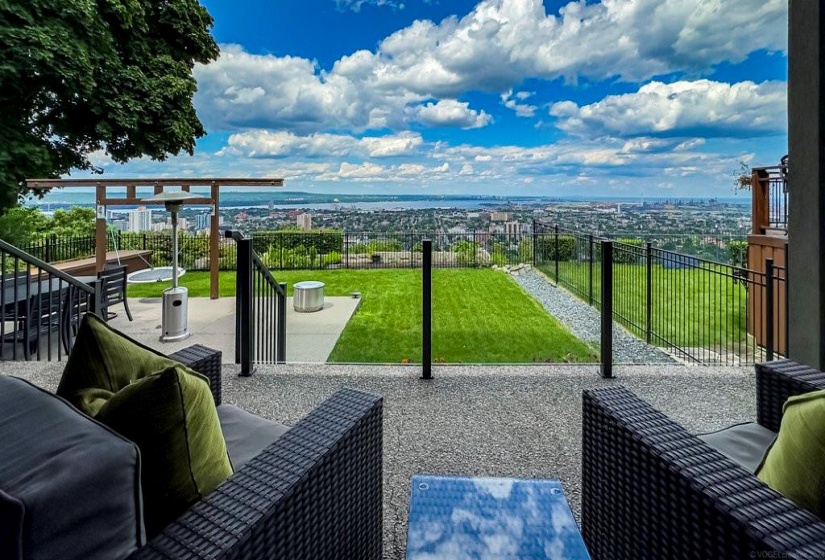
625, 251
738, 253
384, 246
323, 241
546, 248
525, 250
330, 258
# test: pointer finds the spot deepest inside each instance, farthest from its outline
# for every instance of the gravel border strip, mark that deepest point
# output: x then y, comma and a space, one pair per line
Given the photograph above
585, 321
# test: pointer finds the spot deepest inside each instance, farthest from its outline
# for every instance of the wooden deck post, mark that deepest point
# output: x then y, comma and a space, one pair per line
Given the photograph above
100, 227
214, 245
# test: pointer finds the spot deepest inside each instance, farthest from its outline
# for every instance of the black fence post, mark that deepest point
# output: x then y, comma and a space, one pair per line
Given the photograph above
280, 356
244, 334
556, 251
50, 244
769, 315
346, 249
144, 241
427, 310
535, 243
607, 310
649, 297
589, 269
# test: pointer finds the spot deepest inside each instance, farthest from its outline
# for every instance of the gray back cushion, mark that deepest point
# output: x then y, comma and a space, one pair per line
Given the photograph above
246, 434
69, 486
745, 444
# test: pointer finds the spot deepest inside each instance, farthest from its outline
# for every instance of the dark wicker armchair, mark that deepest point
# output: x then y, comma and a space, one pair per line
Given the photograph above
652, 490
314, 493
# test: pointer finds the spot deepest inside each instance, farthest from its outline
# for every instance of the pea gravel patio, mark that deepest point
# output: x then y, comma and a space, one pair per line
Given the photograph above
522, 421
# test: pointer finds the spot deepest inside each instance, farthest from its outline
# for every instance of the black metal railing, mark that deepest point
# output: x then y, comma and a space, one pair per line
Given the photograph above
260, 309
700, 311
770, 197
56, 248
41, 305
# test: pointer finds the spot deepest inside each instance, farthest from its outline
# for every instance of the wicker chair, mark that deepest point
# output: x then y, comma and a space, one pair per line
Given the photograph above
652, 490
314, 493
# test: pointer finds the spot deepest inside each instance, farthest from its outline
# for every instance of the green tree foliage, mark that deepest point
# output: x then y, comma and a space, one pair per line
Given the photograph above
74, 222
20, 225
78, 76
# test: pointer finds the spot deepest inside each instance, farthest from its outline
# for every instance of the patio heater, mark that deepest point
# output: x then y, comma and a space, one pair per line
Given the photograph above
175, 323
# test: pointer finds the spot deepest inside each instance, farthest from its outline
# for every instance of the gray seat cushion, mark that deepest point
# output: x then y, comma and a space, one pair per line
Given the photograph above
744, 444
246, 434
69, 486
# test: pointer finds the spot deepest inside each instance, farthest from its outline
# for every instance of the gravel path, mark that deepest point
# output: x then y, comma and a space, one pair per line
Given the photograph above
585, 322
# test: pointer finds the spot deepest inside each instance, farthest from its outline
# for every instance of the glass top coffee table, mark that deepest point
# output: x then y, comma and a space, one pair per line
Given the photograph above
491, 518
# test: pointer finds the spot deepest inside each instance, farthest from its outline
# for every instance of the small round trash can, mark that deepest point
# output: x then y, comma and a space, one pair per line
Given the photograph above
308, 296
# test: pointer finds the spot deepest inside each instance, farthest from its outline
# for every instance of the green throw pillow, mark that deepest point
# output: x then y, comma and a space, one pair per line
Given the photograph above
172, 418
103, 358
794, 465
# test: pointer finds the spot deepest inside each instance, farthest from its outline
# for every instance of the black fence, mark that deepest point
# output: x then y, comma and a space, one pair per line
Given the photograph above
260, 309
41, 306
54, 248
699, 310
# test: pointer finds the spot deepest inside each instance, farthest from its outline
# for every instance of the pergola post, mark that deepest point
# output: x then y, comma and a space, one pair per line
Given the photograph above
806, 224
100, 227
214, 244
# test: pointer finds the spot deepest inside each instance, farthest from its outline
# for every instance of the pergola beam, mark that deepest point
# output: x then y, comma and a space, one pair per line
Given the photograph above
157, 184
154, 182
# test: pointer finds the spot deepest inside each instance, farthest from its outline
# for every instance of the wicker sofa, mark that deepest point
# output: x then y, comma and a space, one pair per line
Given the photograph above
314, 493
652, 490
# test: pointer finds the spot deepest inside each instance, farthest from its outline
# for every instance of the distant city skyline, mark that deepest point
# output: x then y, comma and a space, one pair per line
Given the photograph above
493, 96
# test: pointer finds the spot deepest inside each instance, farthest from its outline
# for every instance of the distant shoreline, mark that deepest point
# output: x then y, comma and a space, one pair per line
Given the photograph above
316, 201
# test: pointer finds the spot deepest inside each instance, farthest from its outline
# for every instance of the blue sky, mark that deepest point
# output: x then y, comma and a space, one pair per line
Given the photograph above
649, 97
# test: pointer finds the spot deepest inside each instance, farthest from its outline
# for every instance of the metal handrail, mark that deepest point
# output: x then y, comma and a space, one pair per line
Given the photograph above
267, 275
34, 261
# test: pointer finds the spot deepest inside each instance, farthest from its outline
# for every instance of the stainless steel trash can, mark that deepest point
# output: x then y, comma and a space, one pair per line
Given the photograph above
175, 323
308, 296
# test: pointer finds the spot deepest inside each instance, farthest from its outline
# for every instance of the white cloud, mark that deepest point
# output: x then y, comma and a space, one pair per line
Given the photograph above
743, 109
275, 144
451, 113
512, 102
497, 45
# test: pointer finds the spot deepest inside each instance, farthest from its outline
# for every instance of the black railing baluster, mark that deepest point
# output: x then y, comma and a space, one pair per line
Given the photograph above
427, 310
607, 310
769, 316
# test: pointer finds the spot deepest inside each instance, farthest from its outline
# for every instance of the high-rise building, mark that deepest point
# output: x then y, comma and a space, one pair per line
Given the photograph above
202, 221
304, 221
512, 228
140, 219
500, 216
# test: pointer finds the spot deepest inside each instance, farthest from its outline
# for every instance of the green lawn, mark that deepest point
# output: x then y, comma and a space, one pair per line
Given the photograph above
691, 307
478, 316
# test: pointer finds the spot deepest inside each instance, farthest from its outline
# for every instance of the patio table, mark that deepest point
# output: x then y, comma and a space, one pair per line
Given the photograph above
491, 518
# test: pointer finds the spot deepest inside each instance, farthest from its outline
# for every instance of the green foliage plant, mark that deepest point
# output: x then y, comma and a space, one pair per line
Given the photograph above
82, 77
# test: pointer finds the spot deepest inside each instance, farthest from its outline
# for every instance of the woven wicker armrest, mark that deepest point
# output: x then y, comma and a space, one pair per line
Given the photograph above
652, 490
314, 493
203, 360
778, 380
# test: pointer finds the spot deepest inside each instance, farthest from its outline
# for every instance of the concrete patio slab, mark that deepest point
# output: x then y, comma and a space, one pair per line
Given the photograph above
310, 337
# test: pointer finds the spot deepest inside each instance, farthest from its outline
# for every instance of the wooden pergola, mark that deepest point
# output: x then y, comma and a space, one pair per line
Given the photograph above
102, 200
